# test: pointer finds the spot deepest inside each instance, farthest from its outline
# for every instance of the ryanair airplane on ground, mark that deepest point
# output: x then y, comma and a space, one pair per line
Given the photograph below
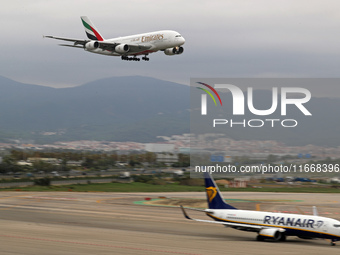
134, 45
268, 225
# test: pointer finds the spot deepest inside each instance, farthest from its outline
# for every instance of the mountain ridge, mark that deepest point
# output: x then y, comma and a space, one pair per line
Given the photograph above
114, 102
138, 108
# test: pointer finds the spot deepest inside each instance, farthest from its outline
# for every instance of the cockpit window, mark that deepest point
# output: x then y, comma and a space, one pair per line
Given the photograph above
178, 36
337, 225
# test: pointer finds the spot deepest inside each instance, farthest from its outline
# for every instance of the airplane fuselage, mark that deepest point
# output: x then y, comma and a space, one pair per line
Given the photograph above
159, 40
309, 226
128, 47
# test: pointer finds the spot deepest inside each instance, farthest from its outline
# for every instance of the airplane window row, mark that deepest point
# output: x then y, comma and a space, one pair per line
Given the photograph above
249, 219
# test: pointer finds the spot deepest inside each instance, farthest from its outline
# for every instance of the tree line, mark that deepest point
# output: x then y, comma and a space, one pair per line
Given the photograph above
87, 161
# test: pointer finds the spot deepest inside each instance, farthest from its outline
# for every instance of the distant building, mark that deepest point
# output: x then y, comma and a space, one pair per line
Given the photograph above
227, 159
160, 147
184, 150
53, 161
74, 162
239, 183
23, 163
173, 171
166, 158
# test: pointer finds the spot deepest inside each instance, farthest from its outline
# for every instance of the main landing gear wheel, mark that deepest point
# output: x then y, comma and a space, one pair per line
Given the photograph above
129, 59
259, 238
145, 58
333, 243
283, 238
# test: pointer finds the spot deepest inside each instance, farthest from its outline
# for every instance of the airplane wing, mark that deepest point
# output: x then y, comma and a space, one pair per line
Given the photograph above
73, 46
138, 48
109, 46
133, 48
231, 224
75, 41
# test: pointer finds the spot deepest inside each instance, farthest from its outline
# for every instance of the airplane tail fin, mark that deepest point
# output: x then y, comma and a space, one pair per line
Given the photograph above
90, 30
214, 197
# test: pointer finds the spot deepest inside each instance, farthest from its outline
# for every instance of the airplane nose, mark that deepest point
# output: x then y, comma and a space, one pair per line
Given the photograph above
182, 40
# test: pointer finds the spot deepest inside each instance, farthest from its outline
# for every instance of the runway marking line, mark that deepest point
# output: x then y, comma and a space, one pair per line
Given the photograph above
53, 198
96, 244
17, 205
115, 198
94, 213
12, 197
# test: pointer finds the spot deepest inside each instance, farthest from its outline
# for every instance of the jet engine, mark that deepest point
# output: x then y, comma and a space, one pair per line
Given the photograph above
174, 51
122, 48
273, 233
92, 45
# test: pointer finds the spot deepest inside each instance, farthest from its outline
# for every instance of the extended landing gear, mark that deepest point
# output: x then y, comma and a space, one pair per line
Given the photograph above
129, 59
145, 58
281, 238
259, 238
332, 242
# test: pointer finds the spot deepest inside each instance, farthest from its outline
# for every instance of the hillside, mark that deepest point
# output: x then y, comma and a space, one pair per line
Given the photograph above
120, 108
139, 109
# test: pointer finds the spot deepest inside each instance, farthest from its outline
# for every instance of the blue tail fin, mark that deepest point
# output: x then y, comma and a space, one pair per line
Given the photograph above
214, 197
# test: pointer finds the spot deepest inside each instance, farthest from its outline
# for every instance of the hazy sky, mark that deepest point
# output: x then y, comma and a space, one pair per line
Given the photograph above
232, 38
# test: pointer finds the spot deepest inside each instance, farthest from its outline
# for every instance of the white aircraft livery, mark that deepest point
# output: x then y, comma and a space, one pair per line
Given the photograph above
268, 225
141, 44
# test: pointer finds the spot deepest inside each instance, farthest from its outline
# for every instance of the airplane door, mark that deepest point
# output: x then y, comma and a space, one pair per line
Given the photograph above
324, 227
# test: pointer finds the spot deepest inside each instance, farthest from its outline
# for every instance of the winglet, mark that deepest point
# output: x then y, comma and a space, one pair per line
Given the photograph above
315, 211
185, 213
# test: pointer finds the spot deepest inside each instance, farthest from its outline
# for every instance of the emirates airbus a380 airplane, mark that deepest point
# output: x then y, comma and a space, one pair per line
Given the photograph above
128, 47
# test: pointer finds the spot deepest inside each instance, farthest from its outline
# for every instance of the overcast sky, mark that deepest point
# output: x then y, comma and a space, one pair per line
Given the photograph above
231, 38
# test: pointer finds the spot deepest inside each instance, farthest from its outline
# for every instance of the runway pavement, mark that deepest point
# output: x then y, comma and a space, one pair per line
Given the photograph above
110, 223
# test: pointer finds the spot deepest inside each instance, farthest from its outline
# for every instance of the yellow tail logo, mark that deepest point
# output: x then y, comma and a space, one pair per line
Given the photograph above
211, 193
